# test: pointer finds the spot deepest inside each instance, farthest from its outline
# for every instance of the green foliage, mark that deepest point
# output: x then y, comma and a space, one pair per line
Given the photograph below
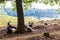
14, 6
46, 34
26, 6
17, 39
45, 1
2, 0
58, 10
52, 4
56, 1
51, 1
27, 3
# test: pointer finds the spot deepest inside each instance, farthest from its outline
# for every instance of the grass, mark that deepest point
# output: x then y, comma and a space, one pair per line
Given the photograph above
29, 19
5, 18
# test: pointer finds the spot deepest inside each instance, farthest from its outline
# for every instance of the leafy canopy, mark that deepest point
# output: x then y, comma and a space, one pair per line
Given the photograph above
2, 1
27, 3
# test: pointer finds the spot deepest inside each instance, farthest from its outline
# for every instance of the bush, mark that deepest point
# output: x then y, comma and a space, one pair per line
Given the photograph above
46, 34
17, 39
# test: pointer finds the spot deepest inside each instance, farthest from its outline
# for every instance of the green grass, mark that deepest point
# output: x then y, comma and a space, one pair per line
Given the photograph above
5, 18
29, 19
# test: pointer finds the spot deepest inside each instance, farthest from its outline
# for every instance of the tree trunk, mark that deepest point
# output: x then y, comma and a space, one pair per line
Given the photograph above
20, 26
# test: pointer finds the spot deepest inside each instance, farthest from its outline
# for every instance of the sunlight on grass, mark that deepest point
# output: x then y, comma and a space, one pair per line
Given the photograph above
5, 18
29, 19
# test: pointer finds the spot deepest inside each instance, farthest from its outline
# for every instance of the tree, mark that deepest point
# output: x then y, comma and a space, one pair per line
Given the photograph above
20, 28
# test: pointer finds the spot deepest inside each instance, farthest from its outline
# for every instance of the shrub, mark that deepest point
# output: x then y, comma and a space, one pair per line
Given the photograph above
46, 34
17, 39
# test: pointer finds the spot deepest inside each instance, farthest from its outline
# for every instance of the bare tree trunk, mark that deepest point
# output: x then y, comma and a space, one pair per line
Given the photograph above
20, 26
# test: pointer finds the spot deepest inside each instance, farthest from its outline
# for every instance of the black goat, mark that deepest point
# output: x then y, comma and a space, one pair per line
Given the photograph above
10, 29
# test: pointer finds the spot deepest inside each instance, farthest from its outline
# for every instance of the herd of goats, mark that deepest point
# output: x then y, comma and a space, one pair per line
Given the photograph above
12, 29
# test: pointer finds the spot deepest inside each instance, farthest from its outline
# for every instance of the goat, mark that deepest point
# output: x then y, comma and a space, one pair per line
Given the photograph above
10, 29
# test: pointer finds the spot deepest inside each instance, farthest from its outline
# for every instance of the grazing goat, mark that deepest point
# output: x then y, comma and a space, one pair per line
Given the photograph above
29, 27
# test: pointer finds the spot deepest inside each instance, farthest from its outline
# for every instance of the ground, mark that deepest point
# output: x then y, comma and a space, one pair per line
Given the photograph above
54, 31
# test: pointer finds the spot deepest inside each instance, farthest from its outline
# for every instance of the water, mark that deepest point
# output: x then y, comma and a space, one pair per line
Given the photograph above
37, 13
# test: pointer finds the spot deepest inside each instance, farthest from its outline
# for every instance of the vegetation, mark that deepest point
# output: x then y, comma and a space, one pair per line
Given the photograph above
27, 3
5, 18
46, 34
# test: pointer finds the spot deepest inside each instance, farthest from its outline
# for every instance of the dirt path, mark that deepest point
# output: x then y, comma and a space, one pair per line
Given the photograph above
31, 35
38, 33
23, 37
